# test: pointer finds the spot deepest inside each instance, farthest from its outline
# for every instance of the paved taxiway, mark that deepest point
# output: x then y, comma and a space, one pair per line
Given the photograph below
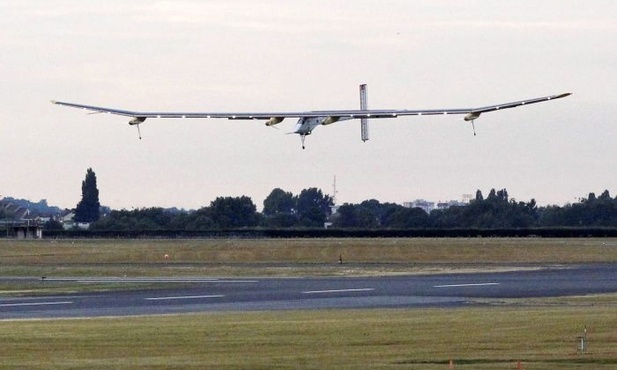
185, 295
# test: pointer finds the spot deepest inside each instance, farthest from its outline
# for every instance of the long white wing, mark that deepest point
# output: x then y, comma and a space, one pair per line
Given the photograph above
473, 113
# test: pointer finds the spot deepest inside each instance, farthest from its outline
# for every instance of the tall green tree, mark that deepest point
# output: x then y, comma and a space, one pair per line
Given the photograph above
233, 212
279, 202
87, 209
313, 207
347, 216
279, 209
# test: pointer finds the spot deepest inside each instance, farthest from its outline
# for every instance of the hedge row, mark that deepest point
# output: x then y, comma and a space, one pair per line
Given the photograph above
342, 233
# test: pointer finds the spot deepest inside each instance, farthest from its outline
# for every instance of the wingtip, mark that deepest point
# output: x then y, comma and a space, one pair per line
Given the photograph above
53, 102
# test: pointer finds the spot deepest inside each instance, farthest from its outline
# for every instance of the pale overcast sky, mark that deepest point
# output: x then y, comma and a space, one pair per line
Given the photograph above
241, 55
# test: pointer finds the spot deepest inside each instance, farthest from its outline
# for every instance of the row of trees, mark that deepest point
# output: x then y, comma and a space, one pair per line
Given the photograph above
496, 211
309, 209
312, 209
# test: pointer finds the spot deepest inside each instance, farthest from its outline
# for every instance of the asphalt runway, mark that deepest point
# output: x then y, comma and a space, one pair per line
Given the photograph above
186, 295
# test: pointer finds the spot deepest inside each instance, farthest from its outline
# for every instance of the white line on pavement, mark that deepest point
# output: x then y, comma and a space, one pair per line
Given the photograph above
338, 291
185, 297
464, 285
34, 304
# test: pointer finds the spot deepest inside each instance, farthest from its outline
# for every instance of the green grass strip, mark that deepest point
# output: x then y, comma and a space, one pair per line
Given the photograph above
476, 338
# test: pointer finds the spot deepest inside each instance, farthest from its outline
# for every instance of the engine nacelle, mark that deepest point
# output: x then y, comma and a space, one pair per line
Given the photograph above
330, 120
274, 121
472, 116
137, 121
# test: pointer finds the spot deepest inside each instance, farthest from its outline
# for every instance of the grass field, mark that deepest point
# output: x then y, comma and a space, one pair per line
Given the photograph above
282, 257
292, 256
478, 338
538, 333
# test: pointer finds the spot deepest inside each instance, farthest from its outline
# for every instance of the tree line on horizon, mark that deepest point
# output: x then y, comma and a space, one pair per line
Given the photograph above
313, 209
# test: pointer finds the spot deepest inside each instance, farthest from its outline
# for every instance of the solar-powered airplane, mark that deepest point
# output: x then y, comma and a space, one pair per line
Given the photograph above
309, 120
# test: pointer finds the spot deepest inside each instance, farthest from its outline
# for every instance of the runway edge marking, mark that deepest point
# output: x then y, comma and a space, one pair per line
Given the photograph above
184, 297
465, 285
26, 304
339, 291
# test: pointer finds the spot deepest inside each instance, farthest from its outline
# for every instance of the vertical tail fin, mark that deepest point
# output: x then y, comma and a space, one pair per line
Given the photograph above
363, 106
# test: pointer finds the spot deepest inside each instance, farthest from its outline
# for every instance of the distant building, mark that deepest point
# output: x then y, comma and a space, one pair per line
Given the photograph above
67, 220
25, 230
16, 212
421, 203
429, 206
450, 203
